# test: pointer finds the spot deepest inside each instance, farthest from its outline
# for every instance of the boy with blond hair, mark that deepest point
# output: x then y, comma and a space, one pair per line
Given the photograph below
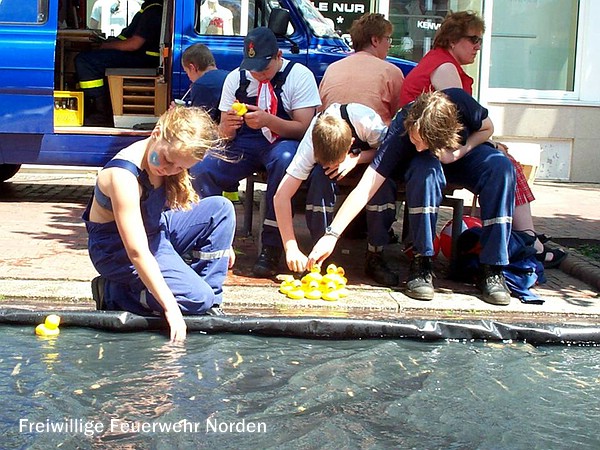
339, 143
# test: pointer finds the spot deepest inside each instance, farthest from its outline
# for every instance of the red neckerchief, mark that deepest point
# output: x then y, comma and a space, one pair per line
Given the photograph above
269, 104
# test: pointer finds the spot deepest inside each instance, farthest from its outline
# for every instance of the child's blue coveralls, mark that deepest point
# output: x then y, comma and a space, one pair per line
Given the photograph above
191, 248
484, 171
250, 152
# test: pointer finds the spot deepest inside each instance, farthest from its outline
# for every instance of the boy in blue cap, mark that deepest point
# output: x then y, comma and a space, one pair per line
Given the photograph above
281, 97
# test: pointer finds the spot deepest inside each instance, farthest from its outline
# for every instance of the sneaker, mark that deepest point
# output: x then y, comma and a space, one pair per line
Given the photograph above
98, 284
420, 278
493, 285
215, 310
377, 269
267, 264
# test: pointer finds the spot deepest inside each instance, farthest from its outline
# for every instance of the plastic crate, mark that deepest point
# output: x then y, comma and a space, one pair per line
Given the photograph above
68, 109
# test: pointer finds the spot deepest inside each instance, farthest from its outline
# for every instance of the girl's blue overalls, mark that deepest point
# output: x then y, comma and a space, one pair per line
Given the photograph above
248, 153
191, 248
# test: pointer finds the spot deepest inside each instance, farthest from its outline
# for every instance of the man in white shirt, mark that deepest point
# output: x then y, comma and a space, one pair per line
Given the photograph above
281, 97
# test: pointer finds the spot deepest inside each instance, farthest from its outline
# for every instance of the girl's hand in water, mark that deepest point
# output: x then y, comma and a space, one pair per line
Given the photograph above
177, 325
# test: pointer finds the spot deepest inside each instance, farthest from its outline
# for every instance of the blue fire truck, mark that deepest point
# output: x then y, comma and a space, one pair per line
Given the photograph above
41, 117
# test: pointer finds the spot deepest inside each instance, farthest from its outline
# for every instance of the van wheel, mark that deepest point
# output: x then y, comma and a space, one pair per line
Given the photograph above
7, 171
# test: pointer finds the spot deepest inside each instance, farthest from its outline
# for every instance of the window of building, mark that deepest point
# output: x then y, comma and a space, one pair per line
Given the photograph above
541, 50
522, 37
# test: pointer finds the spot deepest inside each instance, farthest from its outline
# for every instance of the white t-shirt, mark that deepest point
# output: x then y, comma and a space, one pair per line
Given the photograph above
367, 123
299, 90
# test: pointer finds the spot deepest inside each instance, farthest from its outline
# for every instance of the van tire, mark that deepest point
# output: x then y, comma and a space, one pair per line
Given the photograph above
7, 171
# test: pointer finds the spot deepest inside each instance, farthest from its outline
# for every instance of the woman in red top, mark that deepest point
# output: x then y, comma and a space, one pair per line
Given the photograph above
456, 44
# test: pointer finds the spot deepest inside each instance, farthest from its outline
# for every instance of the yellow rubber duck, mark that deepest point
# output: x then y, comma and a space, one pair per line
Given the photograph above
312, 291
49, 327
286, 286
343, 292
334, 278
329, 292
313, 275
239, 108
296, 292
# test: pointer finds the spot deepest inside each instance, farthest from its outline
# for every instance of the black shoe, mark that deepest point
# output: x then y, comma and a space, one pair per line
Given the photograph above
420, 278
377, 269
215, 310
98, 284
493, 285
267, 264
394, 237
558, 256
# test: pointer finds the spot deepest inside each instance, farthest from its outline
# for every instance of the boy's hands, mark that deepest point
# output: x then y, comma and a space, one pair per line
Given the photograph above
296, 260
321, 251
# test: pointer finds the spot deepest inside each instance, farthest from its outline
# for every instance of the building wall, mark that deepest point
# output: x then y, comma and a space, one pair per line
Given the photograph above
568, 137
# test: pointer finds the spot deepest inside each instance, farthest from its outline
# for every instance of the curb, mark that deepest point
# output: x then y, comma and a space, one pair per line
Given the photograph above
582, 268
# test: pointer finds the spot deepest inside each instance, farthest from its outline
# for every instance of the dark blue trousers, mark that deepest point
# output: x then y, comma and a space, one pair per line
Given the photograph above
247, 153
91, 65
484, 171
321, 198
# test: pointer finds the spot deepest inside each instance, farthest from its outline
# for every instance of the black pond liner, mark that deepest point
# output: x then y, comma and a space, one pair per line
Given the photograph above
321, 327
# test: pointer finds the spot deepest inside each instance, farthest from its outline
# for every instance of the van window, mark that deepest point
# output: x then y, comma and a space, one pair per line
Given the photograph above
234, 17
221, 17
18, 11
111, 16
321, 26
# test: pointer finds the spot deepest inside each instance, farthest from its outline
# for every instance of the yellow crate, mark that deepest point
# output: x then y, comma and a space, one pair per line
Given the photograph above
68, 109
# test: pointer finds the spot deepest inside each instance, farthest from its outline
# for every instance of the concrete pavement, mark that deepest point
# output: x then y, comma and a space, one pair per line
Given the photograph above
44, 262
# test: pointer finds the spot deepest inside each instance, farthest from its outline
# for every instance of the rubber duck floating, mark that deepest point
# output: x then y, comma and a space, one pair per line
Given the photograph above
315, 286
49, 327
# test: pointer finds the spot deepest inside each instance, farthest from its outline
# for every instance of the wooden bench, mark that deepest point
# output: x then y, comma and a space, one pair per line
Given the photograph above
137, 95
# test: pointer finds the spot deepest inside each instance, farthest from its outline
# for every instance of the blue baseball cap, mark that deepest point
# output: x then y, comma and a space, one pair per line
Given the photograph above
260, 47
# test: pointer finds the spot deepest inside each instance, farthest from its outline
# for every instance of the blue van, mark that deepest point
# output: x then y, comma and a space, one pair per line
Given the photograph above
41, 117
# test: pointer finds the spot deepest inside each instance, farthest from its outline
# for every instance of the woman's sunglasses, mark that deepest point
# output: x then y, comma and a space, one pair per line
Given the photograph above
475, 40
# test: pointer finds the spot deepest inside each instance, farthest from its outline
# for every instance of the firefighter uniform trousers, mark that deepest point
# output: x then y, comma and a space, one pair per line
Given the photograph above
248, 153
92, 65
320, 202
191, 248
484, 171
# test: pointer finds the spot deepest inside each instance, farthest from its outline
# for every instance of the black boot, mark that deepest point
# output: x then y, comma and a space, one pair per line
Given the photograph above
377, 269
267, 264
420, 278
98, 285
493, 285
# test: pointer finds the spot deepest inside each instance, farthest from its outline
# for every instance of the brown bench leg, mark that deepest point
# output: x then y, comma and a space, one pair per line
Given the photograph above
248, 206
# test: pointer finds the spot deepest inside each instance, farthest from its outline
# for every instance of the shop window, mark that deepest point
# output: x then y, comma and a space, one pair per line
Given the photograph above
533, 45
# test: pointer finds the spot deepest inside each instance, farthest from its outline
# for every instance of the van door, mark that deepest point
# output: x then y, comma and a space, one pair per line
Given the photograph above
27, 44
